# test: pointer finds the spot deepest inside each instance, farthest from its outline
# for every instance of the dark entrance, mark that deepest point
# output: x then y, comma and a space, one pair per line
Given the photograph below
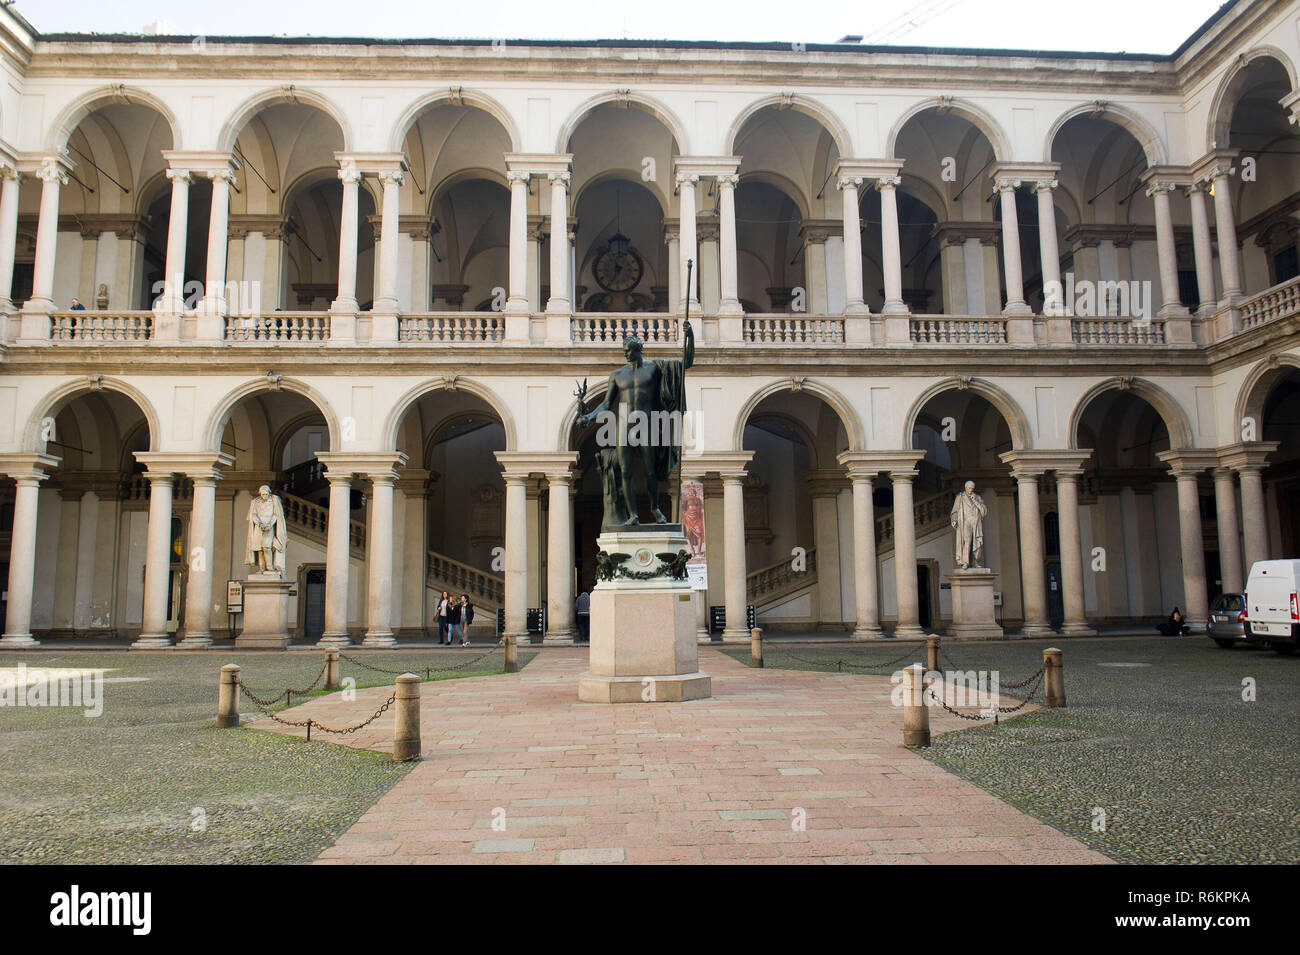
313, 619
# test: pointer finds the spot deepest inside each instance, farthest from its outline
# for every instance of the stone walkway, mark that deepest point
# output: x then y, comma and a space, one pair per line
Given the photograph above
516, 770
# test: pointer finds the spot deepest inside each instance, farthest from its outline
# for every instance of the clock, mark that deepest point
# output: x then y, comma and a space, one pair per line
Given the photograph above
618, 273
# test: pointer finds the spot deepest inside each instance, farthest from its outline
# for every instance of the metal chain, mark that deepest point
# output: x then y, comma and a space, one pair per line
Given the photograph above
427, 670
937, 698
320, 677
840, 664
309, 723
1006, 686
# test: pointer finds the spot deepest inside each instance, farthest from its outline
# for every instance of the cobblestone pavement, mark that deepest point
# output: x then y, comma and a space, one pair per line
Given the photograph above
152, 780
726, 779
1156, 736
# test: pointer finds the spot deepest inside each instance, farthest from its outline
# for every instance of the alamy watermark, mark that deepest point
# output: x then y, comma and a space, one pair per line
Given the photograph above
34, 686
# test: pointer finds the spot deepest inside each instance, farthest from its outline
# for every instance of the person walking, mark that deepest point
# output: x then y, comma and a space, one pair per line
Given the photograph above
466, 618
453, 622
444, 604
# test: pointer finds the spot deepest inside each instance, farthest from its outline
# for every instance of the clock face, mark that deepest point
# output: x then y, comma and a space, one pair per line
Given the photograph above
618, 275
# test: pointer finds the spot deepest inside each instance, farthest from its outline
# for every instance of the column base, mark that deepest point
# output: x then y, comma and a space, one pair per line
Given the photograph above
895, 308
200, 641
731, 309
673, 688
703, 637
908, 632
735, 636
1032, 631
331, 641
559, 638
1017, 309
153, 643
385, 641
870, 633
1075, 629
18, 641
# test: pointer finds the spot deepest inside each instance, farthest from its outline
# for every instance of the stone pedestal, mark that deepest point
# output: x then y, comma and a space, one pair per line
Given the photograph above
266, 613
972, 605
643, 631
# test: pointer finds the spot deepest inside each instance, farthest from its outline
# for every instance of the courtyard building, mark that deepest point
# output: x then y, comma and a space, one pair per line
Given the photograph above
370, 275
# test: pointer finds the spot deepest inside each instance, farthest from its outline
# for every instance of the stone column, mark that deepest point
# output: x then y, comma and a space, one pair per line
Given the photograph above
338, 561
1254, 517
733, 510
909, 609
198, 589
1032, 576
516, 556
1225, 505
10, 177
865, 587
892, 255
214, 293
824, 487
853, 301
346, 302
1196, 605
1067, 504
1202, 249
559, 559
1048, 251
36, 319
674, 273
517, 302
1165, 251
157, 563
1226, 226
22, 560
687, 250
384, 312
172, 302
379, 557
1013, 272
559, 303
730, 304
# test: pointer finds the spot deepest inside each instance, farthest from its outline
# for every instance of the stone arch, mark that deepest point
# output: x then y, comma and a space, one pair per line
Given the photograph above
56, 400
1258, 383
1225, 96
72, 114
1175, 419
469, 174
1017, 421
647, 103
216, 424
784, 185
388, 433
801, 104
975, 115
623, 175
454, 97
809, 438
838, 403
237, 120
1152, 145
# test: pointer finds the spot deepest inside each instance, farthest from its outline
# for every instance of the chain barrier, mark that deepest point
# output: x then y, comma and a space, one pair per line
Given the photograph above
841, 664
1006, 686
288, 695
309, 723
999, 710
428, 671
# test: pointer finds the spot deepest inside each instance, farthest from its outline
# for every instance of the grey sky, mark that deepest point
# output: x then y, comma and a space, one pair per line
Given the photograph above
1102, 25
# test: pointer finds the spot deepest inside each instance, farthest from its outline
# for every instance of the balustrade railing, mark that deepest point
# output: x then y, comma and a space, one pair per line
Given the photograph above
279, 327
1271, 304
652, 328
793, 329
1117, 331
780, 578
457, 578
113, 326
452, 327
958, 330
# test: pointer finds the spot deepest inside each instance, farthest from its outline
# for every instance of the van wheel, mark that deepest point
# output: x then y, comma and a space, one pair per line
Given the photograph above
1226, 644
1286, 649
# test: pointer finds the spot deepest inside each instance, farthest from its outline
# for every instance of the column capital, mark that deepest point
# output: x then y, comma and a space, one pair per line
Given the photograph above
696, 466
349, 173
1291, 103
54, 169
538, 164
9, 170
878, 462
1005, 184
863, 169
200, 163
367, 463
563, 178
1186, 462
526, 463
208, 467
373, 163
706, 166
888, 182
1030, 173
685, 178
182, 176
518, 175
1247, 455
391, 177
182, 462
1216, 164
1044, 185
1036, 461
28, 467
848, 182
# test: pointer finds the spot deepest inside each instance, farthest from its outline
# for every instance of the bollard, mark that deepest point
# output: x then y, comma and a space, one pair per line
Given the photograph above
756, 647
916, 711
331, 669
1054, 678
932, 652
228, 697
406, 731
512, 662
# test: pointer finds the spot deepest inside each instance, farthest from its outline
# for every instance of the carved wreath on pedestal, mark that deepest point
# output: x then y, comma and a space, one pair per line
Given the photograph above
611, 566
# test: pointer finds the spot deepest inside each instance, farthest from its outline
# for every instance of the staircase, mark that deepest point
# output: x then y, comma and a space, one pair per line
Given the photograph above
778, 583
486, 591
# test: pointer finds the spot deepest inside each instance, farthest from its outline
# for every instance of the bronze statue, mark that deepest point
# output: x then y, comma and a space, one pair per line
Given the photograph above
650, 397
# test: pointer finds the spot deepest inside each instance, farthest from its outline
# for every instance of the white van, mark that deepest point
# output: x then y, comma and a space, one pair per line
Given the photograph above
1272, 611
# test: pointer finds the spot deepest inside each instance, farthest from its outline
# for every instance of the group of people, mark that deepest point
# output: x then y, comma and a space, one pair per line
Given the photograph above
454, 615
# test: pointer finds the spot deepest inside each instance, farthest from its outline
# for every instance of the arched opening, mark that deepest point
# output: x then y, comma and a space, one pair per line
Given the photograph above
1275, 399
771, 257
